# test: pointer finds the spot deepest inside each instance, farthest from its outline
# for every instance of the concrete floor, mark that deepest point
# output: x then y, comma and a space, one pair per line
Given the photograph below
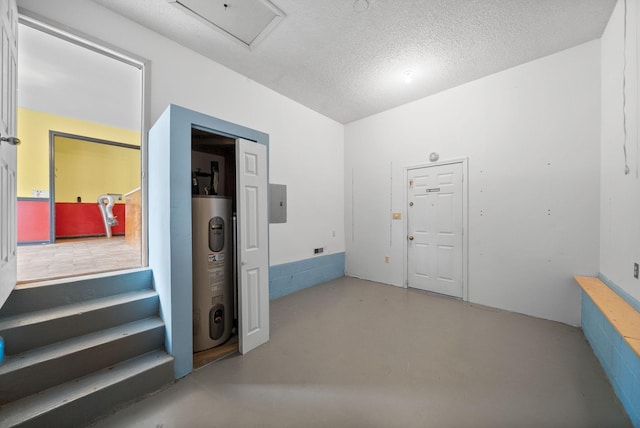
353, 353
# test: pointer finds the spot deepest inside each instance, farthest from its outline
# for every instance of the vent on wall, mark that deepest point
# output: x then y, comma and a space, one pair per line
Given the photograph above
248, 22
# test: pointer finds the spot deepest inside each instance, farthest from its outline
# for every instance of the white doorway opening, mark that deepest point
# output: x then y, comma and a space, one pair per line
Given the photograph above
72, 85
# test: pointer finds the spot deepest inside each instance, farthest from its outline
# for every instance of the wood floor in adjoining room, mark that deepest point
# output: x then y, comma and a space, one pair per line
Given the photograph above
73, 257
353, 353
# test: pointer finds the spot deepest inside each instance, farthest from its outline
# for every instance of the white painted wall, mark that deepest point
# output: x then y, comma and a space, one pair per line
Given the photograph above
620, 193
531, 134
305, 149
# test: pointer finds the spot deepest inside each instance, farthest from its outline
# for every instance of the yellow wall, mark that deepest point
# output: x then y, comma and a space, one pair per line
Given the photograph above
33, 153
89, 169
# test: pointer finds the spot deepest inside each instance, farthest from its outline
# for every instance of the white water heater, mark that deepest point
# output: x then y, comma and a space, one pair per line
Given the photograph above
212, 271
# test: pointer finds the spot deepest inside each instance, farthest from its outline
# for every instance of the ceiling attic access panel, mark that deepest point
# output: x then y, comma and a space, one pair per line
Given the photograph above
248, 22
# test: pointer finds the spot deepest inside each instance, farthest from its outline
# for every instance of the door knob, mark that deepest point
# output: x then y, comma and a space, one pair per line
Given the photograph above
410, 204
410, 237
11, 140
243, 263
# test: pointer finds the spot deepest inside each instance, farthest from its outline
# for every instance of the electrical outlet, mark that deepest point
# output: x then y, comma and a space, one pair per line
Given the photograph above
386, 259
635, 270
318, 250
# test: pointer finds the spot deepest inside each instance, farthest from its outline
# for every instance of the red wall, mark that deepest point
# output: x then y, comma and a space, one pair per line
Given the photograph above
84, 219
33, 220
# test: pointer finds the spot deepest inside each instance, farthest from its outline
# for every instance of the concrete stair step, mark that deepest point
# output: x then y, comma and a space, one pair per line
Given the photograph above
32, 330
82, 400
33, 371
50, 294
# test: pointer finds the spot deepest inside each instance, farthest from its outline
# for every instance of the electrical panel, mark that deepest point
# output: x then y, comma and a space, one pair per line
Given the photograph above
277, 203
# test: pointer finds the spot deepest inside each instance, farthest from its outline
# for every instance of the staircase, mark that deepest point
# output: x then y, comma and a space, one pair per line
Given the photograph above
75, 350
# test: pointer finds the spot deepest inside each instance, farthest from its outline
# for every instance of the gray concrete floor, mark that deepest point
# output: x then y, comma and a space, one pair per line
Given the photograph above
353, 353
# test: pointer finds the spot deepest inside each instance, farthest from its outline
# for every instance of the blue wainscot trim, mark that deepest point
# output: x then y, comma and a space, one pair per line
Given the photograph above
290, 277
620, 362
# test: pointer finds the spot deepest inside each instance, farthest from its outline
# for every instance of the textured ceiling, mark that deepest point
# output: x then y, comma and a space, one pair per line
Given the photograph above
348, 65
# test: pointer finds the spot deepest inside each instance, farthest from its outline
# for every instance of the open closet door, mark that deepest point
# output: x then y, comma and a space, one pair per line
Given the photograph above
253, 245
8, 31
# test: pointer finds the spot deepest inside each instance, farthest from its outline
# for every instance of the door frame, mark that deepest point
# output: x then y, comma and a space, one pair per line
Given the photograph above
465, 220
55, 29
170, 234
52, 167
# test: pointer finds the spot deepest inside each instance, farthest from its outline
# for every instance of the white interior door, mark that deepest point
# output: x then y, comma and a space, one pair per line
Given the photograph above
253, 245
434, 226
9, 30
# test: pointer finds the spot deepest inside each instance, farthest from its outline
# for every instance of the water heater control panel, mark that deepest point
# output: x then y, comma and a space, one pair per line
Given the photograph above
216, 234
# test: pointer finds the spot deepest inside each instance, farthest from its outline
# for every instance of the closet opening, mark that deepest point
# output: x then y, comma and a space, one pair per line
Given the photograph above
214, 244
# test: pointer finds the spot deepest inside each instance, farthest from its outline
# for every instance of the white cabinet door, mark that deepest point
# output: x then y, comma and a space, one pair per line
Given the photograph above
9, 30
434, 224
253, 244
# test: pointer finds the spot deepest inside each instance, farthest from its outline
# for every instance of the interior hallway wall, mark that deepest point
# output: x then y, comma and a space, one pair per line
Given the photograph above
33, 165
34, 156
531, 135
306, 150
620, 193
